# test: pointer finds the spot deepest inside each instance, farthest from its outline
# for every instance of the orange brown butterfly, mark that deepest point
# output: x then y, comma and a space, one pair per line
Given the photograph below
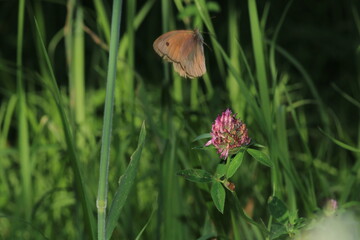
183, 48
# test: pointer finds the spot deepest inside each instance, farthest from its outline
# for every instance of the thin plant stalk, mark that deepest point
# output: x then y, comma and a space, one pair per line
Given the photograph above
101, 202
23, 131
78, 75
102, 18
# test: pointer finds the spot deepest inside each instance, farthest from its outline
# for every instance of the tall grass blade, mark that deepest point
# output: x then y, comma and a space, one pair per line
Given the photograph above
101, 202
139, 18
77, 93
205, 16
102, 18
245, 90
128, 80
236, 98
272, 62
79, 180
258, 48
23, 130
321, 107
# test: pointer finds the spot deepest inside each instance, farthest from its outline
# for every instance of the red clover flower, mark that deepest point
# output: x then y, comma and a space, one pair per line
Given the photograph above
228, 133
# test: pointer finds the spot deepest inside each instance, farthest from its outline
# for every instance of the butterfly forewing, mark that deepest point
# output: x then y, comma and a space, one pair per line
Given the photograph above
168, 44
184, 48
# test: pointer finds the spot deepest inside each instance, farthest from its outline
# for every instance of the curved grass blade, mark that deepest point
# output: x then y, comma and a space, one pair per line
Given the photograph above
341, 144
346, 96
145, 226
125, 184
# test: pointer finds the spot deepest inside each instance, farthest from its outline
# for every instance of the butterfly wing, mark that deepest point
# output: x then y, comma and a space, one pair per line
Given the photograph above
184, 48
169, 45
193, 62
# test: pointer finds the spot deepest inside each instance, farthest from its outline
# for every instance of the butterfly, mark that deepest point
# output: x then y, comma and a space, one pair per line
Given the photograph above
184, 48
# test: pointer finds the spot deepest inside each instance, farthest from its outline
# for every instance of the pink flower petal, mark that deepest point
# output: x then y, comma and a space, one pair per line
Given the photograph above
228, 133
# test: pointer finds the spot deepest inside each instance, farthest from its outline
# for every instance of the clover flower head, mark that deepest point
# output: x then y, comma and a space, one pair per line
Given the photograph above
228, 133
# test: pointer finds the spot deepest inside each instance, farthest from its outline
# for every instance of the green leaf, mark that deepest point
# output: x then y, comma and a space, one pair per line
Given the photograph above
221, 170
204, 148
260, 157
125, 183
218, 195
278, 209
277, 230
235, 164
202, 136
196, 175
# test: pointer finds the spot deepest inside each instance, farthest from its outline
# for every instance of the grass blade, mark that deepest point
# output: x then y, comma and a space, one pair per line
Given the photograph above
341, 144
101, 201
258, 49
23, 133
125, 184
79, 180
145, 226
205, 16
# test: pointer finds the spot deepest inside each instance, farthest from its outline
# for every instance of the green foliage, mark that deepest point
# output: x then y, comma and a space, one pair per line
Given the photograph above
235, 163
278, 210
223, 172
285, 224
196, 175
125, 183
218, 196
260, 157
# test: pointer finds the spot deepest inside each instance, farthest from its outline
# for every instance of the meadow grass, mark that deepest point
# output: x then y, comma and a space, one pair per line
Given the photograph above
95, 128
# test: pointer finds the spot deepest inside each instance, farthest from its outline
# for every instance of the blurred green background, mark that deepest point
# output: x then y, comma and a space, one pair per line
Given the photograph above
290, 69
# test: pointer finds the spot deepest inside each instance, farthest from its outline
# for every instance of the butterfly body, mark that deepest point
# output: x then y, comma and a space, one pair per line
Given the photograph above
184, 48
